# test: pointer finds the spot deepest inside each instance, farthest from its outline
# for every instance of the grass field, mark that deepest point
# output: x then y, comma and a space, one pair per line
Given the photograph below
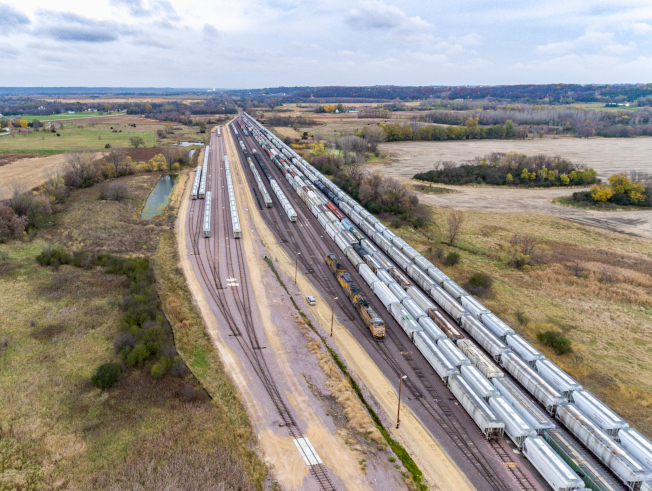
74, 137
593, 285
59, 326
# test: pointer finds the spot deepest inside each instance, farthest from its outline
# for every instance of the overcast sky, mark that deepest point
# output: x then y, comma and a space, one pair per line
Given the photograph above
259, 43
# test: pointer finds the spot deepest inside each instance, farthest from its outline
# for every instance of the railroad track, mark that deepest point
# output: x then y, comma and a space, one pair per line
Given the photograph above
440, 411
253, 348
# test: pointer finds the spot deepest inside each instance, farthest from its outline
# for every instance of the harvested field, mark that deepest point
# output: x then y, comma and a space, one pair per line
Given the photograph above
538, 202
285, 132
606, 155
8, 159
28, 172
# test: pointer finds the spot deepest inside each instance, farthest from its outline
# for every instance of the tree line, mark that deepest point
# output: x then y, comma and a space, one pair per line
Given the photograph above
470, 130
512, 169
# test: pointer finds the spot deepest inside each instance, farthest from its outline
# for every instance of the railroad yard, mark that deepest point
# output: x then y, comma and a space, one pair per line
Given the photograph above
503, 414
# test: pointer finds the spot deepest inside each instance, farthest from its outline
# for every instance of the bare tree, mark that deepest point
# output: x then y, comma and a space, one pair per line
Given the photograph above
608, 274
374, 135
454, 221
118, 158
170, 154
117, 191
577, 268
81, 170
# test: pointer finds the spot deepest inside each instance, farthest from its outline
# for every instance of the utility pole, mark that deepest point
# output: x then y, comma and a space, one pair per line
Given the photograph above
398, 413
333, 315
296, 266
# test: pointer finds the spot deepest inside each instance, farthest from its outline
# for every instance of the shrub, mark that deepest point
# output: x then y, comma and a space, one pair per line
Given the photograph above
522, 318
451, 259
123, 340
480, 283
161, 367
106, 376
118, 191
139, 354
11, 225
481, 280
178, 367
557, 341
53, 256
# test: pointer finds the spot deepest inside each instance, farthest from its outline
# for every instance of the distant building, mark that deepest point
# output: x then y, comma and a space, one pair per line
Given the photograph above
352, 111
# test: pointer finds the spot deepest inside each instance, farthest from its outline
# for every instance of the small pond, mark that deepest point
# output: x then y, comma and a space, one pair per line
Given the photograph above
159, 198
187, 144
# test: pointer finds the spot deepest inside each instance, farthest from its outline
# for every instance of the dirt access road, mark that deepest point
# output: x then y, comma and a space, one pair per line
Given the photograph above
606, 155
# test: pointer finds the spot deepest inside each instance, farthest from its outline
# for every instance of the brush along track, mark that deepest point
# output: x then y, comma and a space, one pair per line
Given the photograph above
222, 244
308, 241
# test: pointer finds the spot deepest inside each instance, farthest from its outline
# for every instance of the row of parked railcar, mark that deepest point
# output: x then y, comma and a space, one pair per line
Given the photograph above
199, 184
233, 207
195, 184
283, 200
553, 388
267, 199
207, 215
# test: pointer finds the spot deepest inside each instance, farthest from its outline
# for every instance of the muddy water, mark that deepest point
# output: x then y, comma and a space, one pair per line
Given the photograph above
159, 198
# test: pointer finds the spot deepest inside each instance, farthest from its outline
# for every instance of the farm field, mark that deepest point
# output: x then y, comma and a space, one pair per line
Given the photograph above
606, 155
29, 172
88, 137
491, 200
605, 309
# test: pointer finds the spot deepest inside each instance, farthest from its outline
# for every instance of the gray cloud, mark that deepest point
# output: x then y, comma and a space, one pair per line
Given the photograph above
210, 32
80, 34
157, 8
70, 27
11, 19
375, 14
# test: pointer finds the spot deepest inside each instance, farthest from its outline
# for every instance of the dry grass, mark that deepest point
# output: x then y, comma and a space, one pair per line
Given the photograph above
605, 309
357, 416
115, 226
141, 434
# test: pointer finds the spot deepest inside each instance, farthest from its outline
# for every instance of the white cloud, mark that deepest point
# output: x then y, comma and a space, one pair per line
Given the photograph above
377, 15
641, 28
